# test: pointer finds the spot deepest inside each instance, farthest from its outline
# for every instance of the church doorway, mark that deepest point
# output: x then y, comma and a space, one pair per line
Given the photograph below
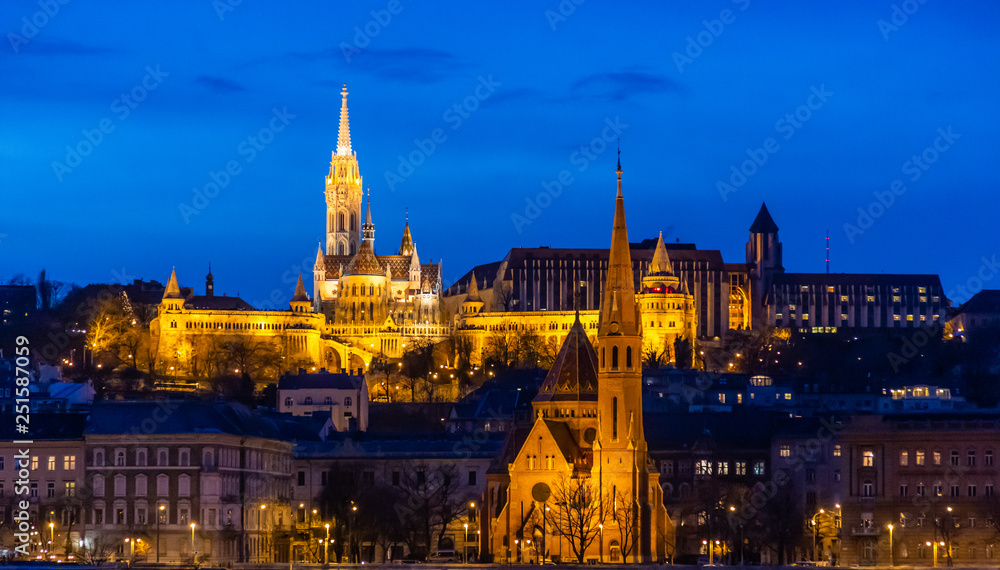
616, 551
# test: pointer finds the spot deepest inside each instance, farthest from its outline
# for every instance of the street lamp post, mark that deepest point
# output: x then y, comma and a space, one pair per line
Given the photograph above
465, 545
194, 553
732, 509
601, 527
52, 537
159, 515
815, 525
326, 546
350, 534
892, 560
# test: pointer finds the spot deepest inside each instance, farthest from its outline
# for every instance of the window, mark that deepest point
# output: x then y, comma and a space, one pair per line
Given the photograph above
141, 486
301, 478
614, 358
904, 490
758, 468
785, 451
472, 478
120, 458
328, 401
69, 462
836, 450
140, 457
971, 491
98, 459
99, 515
50, 489
868, 459
395, 478
722, 468
163, 458
987, 458
868, 489
140, 515
904, 458
920, 457
740, 467
308, 401
972, 459
182, 515
811, 475
184, 458
938, 490
184, 486
988, 490
52, 463
921, 490
348, 402
954, 491
119, 485
162, 485
703, 467
937, 458
70, 489
421, 477
289, 402
836, 475
98, 485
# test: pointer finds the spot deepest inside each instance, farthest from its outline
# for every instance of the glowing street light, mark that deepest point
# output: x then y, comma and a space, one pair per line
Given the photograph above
892, 559
326, 546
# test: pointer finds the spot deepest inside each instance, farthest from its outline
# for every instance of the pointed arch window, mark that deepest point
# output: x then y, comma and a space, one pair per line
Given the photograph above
354, 225
340, 221
628, 357
614, 417
614, 358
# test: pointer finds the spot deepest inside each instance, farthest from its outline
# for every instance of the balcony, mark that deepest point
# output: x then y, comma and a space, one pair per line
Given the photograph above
865, 530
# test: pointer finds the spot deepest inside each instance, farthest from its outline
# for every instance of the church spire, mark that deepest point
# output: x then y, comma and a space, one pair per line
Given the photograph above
300, 291
368, 228
344, 138
406, 245
619, 311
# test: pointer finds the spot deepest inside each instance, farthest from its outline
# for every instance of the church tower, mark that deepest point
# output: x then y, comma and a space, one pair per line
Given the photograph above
343, 193
763, 259
621, 461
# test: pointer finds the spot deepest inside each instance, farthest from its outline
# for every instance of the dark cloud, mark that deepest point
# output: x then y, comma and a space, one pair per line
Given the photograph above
619, 86
219, 85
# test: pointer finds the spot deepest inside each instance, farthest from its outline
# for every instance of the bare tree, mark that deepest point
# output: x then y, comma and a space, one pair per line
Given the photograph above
100, 549
624, 511
580, 509
504, 296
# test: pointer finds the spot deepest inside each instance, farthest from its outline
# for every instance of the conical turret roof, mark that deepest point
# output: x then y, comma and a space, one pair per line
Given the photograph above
573, 376
472, 293
660, 265
763, 223
406, 245
173, 290
300, 291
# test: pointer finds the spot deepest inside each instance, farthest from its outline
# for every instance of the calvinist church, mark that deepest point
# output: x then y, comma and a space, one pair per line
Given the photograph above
580, 484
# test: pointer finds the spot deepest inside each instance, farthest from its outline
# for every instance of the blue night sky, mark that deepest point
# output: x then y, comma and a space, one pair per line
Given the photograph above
868, 99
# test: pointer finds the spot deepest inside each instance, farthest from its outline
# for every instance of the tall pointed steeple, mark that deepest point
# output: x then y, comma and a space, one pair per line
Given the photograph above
619, 311
209, 283
320, 264
368, 228
344, 195
300, 291
406, 245
344, 138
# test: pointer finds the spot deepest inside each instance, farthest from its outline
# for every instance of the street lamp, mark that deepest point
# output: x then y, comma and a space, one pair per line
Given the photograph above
194, 554
732, 509
52, 537
601, 527
891, 558
465, 545
326, 547
816, 535
158, 517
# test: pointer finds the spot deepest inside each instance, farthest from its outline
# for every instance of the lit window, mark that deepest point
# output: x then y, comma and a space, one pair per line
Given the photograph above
829, 289
904, 458
69, 462
909, 318
836, 450
844, 298
895, 298
937, 458
868, 459
920, 457
923, 298
805, 316
871, 298
52, 463
895, 317
791, 307
785, 451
